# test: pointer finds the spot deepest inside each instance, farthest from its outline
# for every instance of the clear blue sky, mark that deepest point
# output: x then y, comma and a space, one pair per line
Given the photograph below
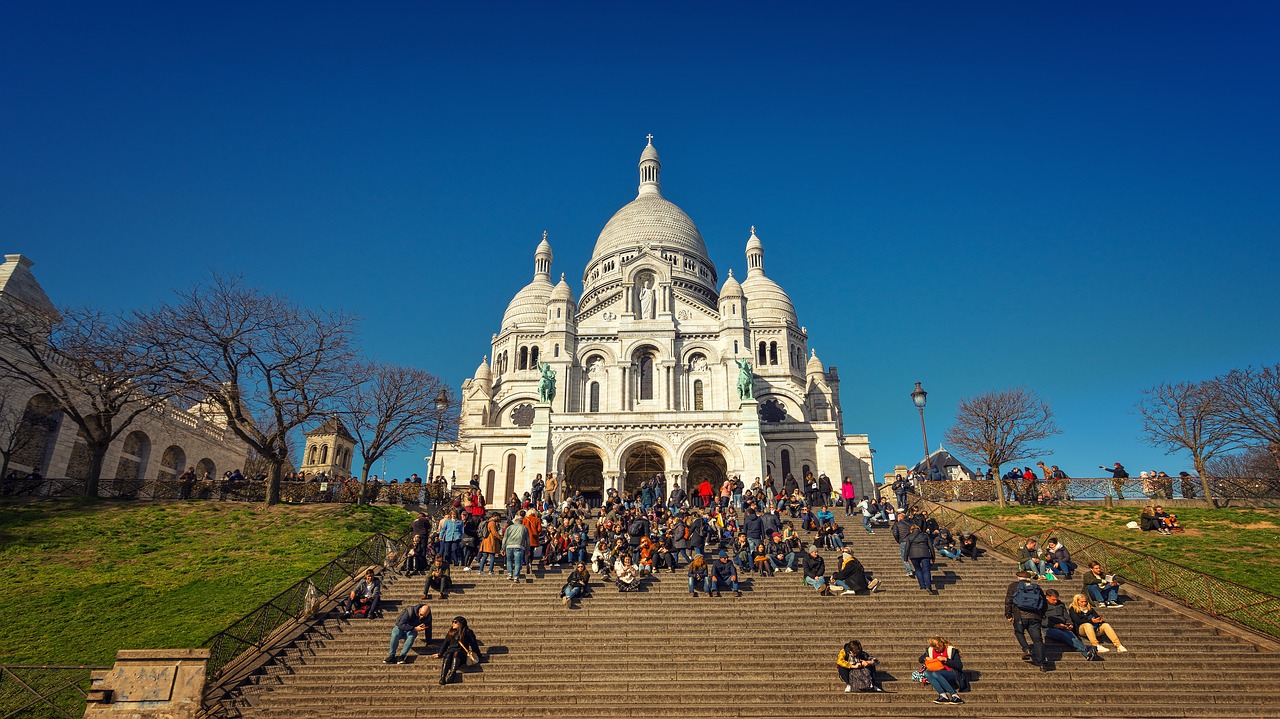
1082, 198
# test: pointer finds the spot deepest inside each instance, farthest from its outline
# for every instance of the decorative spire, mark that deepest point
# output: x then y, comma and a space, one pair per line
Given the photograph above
649, 169
542, 258
755, 254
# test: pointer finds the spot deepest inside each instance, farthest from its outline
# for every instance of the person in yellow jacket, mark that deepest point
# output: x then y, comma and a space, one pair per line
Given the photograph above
857, 668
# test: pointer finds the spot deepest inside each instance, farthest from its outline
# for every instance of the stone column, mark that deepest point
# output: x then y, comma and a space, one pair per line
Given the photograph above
537, 457
750, 440
149, 684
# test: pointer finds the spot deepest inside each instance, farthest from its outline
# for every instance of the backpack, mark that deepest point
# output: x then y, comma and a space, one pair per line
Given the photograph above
636, 528
738, 486
1028, 597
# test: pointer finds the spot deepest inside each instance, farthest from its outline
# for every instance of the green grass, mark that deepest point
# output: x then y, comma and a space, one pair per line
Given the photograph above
80, 580
1241, 545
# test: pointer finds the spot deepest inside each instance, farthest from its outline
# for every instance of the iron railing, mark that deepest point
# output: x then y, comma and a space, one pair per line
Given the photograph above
1051, 491
256, 633
225, 490
1212, 595
34, 691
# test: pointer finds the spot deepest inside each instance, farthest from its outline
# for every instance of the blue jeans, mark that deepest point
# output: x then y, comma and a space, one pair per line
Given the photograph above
1065, 637
950, 553
1036, 566
572, 592
789, 562
923, 567
906, 562
836, 541
396, 635
451, 551
706, 584
715, 584
902, 500
515, 562
1062, 569
753, 543
1103, 593
491, 558
940, 681
866, 522
816, 582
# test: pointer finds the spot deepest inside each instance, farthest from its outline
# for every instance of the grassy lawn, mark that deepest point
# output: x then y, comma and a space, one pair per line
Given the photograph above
1242, 545
80, 580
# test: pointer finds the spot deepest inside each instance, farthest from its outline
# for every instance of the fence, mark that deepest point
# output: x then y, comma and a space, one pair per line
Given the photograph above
1057, 490
30, 691
254, 634
1217, 597
225, 490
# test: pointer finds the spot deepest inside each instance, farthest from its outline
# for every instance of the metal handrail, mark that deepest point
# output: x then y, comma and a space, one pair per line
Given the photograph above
225, 490
58, 690
1048, 491
1221, 598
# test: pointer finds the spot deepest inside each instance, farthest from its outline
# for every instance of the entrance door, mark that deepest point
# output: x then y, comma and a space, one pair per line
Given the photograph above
643, 462
708, 463
584, 472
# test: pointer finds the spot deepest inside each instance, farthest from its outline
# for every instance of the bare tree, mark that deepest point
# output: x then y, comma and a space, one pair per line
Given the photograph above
269, 364
394, 405
1251, 400
1252, 463
999, 427
90, 364
1190, 416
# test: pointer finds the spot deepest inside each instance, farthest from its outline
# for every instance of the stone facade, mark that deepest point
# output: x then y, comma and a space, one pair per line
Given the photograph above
646, 371
328, 450
160, 444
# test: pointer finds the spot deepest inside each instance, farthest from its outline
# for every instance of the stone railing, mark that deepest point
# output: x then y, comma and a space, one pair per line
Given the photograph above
1059, 490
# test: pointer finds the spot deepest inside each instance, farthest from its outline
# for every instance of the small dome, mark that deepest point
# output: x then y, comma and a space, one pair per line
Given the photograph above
544, 247
482, 372
731, 288
766, 301
561, 292
814, 366
529, 307
753, 242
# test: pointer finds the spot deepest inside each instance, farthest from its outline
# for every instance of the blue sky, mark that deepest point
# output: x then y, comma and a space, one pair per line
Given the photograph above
1081, 198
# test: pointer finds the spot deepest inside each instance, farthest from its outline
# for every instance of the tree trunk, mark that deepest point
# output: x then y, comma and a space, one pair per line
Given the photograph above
364, 484
4, 466
995, 469
273, 482
1274, 448
97, 458
1204, 482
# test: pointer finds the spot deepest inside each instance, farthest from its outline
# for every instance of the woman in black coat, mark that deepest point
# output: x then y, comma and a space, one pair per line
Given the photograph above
459, 643
919, 551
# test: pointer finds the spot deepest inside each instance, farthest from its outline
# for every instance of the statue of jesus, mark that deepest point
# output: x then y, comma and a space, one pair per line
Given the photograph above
646, 301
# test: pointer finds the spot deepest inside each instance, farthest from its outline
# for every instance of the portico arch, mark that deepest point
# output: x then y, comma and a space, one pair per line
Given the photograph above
581, 469
641, 462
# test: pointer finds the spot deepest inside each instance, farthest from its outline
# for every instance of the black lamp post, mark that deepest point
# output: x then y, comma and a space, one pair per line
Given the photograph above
442, 404
918, 396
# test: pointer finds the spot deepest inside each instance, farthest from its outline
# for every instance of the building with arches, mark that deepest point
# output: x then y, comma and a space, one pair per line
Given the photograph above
328, 450
160, 444
647, 366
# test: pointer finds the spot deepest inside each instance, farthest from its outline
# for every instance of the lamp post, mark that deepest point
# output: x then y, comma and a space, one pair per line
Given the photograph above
918, 396
442, 404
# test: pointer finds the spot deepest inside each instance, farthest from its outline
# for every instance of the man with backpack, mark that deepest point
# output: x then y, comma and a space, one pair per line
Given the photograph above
1024, 606
637, 529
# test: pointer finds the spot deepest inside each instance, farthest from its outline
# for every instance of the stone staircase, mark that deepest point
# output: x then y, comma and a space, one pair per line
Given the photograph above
770, 653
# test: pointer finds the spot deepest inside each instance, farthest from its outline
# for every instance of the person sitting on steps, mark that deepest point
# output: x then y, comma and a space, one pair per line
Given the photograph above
628, 575
437, 577
1059, 628
851, 577
577, 585
1089, 624
969, 545
724, 575
857, 669
781, 557
1058, 559
1031, 559
815, 571
458, 649
699, 575
364, 597
414, 619
761, 560
944, 670
1102, 591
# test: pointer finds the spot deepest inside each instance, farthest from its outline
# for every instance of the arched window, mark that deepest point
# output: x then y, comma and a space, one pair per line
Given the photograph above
762, 359
533, 358
786, 463
735, 346
511, 475
773, 353
311, 456
489, 484
557, 351
523, 362
324, 453
594, 401
697, 394
646, 376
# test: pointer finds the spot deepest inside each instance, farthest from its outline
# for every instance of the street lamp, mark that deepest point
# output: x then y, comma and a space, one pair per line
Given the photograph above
918, 396
442, 404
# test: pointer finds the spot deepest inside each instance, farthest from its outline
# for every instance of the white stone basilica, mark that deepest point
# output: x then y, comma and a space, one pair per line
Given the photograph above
647, 372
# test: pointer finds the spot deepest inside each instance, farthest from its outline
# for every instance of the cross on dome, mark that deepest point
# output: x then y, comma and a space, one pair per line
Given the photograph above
649, 137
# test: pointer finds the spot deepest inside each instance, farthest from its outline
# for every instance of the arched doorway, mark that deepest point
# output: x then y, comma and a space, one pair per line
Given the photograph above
642, 462
584, 472
173, 462
206, 466
707, 461
133, 456
36, 431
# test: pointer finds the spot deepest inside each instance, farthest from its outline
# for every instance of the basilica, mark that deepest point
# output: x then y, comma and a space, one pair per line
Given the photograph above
659, 367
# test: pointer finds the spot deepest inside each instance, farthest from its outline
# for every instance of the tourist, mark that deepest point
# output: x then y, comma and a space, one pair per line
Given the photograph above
533, 522
437, 577
781, 557
864, 507
626, 574
1089, 624
490, 543
458, 648
414, 619
451, 536
699, 576
664, 553
847, 497
815, 571
945, 544
1102, 588
1031, 559
753, 529
919, 551
969, 545
1118, 476
1024, 607
513, 505
415, 559
602, 557
1058, 626
724, 575
760, 560
1169, 522
515, 542
857, 669
1188, 485
646, 556
851, 577
1058, 559
900, 530
705, 492
900, 487
364, 596
577, 585
741, 552
944, 670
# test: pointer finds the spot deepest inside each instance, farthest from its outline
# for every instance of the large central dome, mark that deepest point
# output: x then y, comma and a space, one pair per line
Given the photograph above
652, 219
